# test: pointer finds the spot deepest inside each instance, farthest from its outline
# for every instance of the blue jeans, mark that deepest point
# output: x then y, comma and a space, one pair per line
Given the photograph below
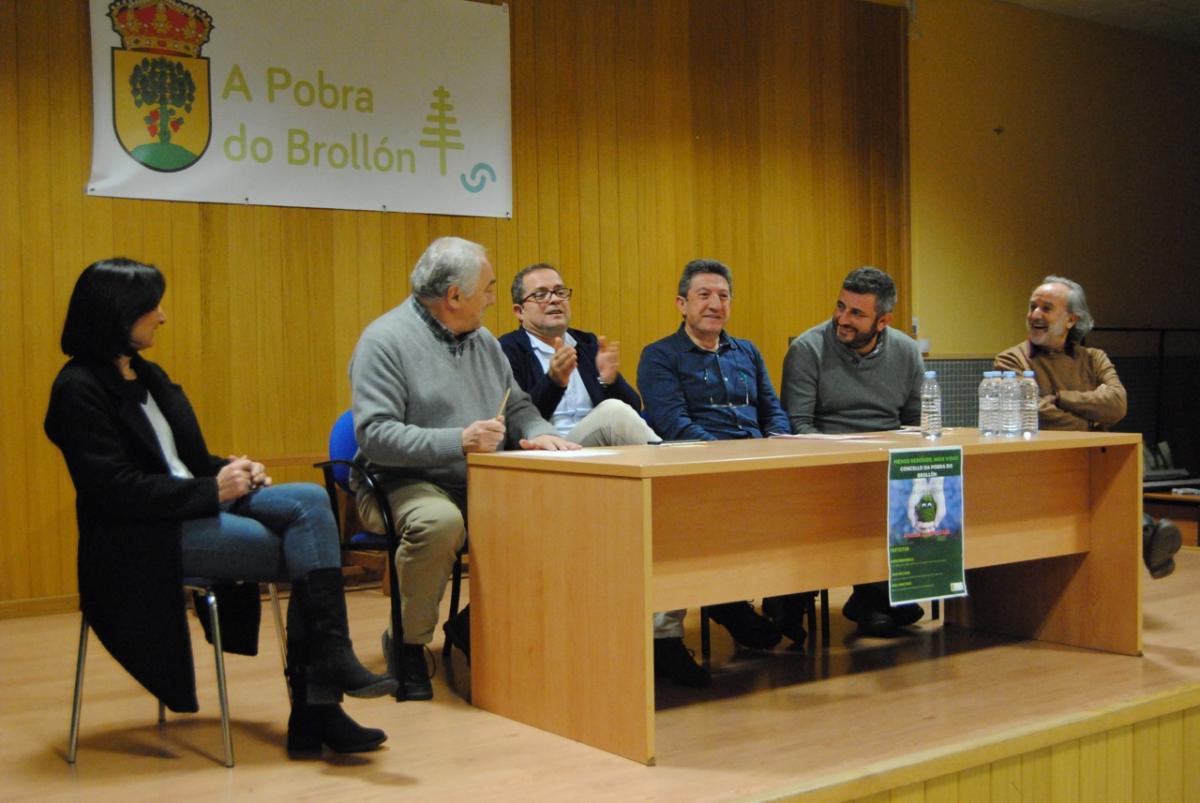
274, 533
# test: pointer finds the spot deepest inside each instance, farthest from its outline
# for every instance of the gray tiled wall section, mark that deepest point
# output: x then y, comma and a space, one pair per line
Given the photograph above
960, 389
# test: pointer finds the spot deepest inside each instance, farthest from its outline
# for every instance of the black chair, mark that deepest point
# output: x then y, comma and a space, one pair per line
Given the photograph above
337, 470
204, 588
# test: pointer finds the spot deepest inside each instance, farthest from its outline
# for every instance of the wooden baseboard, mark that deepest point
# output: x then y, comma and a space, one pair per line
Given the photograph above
15, 609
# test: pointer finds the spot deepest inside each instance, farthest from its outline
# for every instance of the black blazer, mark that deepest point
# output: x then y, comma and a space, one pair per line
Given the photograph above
129, 508
544, 391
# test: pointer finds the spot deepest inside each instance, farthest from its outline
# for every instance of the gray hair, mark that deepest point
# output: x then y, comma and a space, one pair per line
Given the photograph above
872, 281
447, 262
1076, 305
703, 266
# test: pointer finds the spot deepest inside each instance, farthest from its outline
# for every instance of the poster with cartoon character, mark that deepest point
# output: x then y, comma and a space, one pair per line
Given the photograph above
925, 525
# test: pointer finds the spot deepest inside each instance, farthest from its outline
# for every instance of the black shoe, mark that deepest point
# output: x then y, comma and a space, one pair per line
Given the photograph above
876, 624
864, 609
310, 726
674, 662
1160, 542
788, 612
412, 671
745, 624
415, 673
458, 631
905, 615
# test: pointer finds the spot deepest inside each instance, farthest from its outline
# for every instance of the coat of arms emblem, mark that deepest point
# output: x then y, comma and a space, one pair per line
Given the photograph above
161, 107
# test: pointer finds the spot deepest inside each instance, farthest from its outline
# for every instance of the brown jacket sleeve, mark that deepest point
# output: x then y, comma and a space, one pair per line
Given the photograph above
1106, 404
1050, 414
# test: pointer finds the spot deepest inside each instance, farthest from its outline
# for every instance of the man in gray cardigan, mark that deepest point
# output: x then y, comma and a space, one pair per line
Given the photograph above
428, 383
854, 373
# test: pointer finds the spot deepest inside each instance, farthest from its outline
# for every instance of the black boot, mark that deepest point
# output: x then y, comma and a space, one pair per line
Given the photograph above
1160, 541
310, 726
331, 657
788, 613
458, 631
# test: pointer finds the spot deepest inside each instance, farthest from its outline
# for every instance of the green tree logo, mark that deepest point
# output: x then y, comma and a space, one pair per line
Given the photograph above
166, 87
441, 130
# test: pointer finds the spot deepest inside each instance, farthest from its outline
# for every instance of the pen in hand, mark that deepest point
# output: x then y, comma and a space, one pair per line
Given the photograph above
504, 402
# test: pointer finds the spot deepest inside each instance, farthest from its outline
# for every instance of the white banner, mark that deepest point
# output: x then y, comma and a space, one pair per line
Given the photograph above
393, 105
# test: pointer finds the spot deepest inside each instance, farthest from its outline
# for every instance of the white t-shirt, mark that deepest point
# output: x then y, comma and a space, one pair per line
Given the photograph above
166, 438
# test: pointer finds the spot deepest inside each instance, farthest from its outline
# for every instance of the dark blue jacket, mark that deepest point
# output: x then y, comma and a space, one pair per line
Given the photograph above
693, 394
544, 391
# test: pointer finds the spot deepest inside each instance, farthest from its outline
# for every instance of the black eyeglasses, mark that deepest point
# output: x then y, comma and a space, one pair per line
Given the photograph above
543, 295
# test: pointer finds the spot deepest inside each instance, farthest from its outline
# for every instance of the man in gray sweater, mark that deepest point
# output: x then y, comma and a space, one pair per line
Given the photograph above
428, 384
854, 373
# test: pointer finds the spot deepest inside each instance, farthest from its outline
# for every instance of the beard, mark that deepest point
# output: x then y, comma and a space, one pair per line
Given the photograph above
861, 339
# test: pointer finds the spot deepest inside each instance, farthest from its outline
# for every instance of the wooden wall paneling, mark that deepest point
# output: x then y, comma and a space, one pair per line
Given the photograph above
1093, 760
417, 236
183, 302
524, 127
781, 94
1145, 759
605, 286
1171, 754
974, 785
1006, 780
546, 120
1035, 775
1064, 771
680, 186
572, 122
668, 71
212, 397
387, 276
1191, 769
37, 76
1119, 764
302, 346
580, 50
59, 273
628, 55
357, 293
260, 320
335, 322
13, 573
942, 790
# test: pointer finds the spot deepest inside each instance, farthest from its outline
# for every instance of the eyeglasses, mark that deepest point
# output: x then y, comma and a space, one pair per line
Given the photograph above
543, 295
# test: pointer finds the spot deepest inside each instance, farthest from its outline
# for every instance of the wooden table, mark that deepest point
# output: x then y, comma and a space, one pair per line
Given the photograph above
571, 555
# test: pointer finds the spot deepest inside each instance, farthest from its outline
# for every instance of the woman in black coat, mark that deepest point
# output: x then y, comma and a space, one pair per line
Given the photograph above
154, 507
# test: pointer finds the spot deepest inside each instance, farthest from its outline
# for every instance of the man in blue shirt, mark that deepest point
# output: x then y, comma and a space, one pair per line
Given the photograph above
701, 383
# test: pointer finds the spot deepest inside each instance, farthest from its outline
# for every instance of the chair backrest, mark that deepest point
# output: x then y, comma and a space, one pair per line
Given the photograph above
342, 446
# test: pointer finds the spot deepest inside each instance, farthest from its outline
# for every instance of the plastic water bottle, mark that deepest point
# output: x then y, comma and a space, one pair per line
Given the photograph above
1029, 404
931, 406
989, 403
1010, 405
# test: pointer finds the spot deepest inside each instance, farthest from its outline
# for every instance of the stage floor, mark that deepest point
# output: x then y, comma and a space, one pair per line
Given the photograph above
773, 724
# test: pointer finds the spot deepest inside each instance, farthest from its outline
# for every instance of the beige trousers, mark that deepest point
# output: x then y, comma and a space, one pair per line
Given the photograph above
431, 531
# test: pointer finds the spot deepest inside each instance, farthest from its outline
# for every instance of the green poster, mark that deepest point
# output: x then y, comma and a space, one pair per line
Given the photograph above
925, 524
